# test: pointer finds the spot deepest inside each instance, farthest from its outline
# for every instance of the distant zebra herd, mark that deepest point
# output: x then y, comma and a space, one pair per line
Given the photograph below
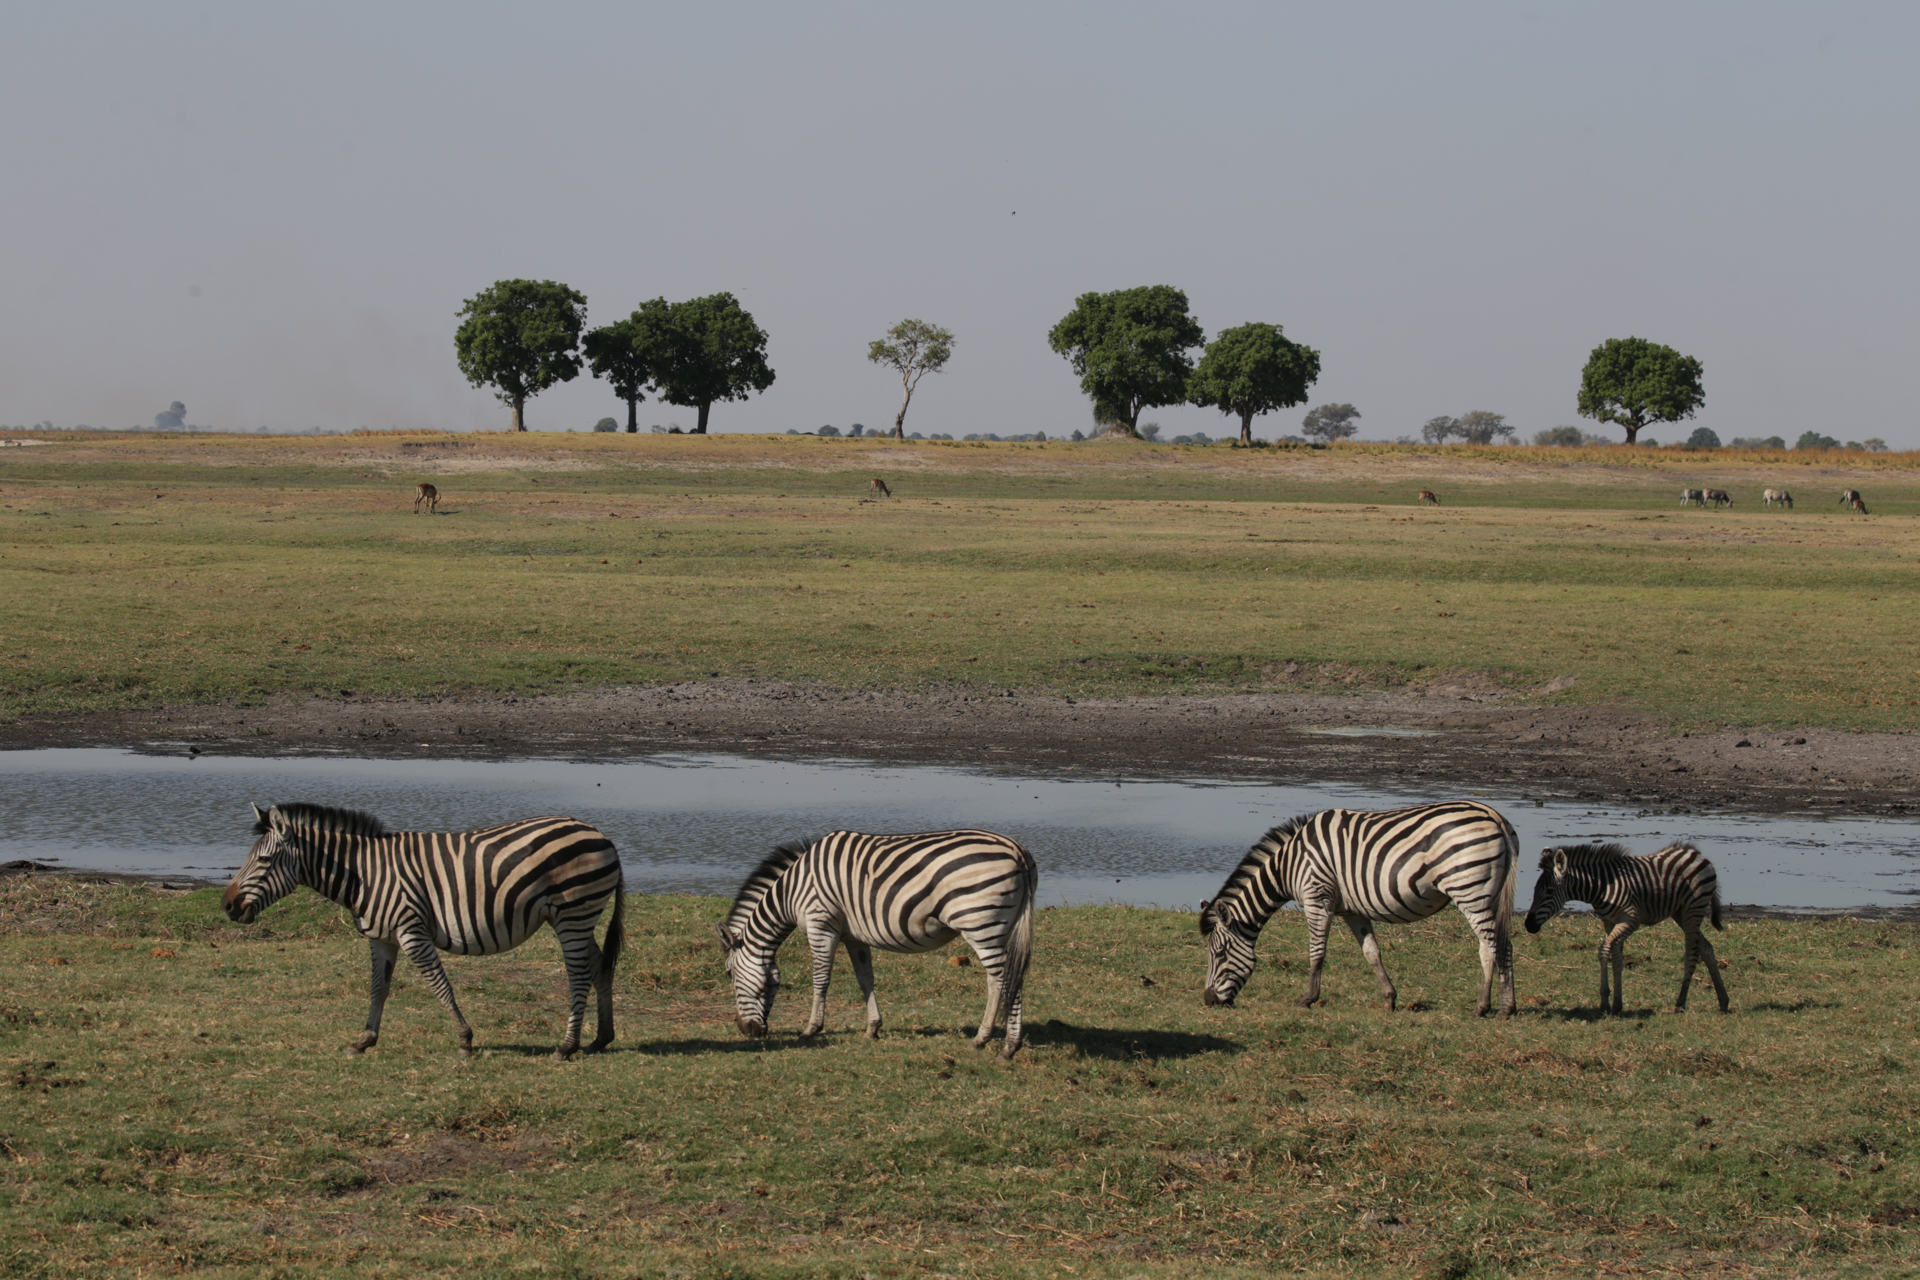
1849, 498
488, 891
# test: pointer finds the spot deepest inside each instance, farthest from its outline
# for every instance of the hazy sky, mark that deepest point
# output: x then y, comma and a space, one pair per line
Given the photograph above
273, 212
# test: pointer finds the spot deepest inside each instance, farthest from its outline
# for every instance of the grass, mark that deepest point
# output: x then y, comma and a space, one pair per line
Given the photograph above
144, 571
176, 1100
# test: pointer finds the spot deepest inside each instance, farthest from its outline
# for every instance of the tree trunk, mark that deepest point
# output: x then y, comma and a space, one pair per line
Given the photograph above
519, 413
900, 418
1633, 431
633, 415
701, 428
1246, 427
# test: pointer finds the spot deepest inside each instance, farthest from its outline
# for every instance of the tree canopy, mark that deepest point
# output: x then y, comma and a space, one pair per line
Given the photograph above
1703, 438
521, 337
1130, 349
702, 350
913, 349
1330, 422
1252, 370
1633, 382
1482, 427
1436, 430
612, 354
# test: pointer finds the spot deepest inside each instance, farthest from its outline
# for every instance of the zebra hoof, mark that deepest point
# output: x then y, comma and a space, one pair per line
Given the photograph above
873, 1031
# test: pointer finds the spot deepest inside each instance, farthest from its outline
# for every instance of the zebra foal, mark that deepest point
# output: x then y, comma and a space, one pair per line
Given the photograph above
906, 893
1392, 865
1628, 893
467, 892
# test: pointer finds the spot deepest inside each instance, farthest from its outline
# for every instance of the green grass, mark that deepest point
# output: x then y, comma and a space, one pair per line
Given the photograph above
271, 568
193, 1111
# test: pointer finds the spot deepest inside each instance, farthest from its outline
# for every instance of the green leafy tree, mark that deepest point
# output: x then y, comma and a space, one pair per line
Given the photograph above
912, 349
1436, 430
1252, 370
606, 424
1130, 349
702, 350
1559, 437
612, 354
1759, 442
1482, 427
1814, 440
1633, 382
171, 418
1703, 438
521, 337
1330, 422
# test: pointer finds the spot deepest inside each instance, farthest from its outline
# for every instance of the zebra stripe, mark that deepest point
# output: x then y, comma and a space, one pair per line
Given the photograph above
1677, 883
907, 893
1395, 865
467, 892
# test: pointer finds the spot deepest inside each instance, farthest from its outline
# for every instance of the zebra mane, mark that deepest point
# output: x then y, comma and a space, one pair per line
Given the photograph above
351, 822
1584, 855
761, 878
1257, 856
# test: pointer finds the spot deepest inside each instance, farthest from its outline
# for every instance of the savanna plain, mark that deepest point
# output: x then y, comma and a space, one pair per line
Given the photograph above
176, 1098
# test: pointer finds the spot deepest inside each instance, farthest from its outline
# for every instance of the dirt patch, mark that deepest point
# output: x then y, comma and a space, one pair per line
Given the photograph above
447, 1157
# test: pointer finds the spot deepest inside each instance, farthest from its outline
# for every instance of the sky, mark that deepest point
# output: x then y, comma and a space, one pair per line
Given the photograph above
273, 213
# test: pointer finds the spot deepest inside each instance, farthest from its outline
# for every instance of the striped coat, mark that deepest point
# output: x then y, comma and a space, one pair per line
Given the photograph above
1395, 865
467, 892
1627, 893
907, 893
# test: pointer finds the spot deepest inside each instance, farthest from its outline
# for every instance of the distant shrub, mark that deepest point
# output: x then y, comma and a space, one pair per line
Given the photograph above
828, 431
1078, 434
1759, 442
1814, 440
606, 424
1149, 431
1560, 438
1703, 438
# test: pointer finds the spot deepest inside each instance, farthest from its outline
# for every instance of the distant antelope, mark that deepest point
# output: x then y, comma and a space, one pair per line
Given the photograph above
1428, 495
427, 494
1779, 495
1693, 495
1849, 497
1860, 506
1719, 497
880, 487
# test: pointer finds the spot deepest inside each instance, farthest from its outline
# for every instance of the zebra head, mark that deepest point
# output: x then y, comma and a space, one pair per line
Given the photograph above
755, 978
1550, 891
268, 873
1230, 957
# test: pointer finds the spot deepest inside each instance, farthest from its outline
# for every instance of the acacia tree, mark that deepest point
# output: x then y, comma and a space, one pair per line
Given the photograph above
1330, 422
521, 337
702, 350
1130, 349
1633, 382
913, 349
613, 355
1251, 370
1436, 430
1482, 427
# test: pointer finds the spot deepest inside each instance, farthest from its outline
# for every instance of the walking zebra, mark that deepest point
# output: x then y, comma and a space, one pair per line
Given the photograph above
1688, 496
1392, 865
428, 494
1778, 495
468, 892
906, 893
1628, 893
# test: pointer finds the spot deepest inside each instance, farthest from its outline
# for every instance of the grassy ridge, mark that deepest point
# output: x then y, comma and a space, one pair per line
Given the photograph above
277, 569
178, 1101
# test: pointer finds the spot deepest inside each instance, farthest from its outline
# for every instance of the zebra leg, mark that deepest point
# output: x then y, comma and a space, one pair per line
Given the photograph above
1370, 948
822, 944
420, 949
1319, 920
1613, 950
582, 959
1713, 969
860, 956
384, 954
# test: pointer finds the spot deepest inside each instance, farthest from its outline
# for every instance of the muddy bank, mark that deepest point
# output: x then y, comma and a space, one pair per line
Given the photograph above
1431, 741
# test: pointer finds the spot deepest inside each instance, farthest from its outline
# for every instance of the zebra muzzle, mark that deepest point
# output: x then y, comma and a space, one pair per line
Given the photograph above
1213, 998
752, 1030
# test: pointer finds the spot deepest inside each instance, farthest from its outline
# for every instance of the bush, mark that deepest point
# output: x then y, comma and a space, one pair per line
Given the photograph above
606, 424
1559, 438
1149, 431
828, 431
1703, 438
1814, 440
1759, 442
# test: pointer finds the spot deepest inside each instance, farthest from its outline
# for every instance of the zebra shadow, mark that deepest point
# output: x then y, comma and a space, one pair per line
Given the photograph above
1125, 1044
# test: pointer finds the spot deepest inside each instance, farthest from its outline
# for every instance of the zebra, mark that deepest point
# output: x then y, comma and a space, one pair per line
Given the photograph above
1778, 495
907, 893
426, 493
1693, 495
879, 488
1677, 883
1426, 496
468, 892
1390, 865
1719, 498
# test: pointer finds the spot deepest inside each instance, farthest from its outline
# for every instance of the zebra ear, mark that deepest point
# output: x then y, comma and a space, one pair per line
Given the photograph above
727, 941
1559, 863
1206, 916
259, 819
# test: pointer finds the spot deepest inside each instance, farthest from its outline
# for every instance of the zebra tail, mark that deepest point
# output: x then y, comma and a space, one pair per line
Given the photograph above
616, 932
1020, 940
1715, 917
1512, 838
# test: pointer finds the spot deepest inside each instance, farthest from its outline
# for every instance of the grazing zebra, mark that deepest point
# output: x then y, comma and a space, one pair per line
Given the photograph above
1395, 864
1428, 495
1627, 893
905, 893
468, 892
1779, 495
428, 494
879, 487
1693, 495
1719, 497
